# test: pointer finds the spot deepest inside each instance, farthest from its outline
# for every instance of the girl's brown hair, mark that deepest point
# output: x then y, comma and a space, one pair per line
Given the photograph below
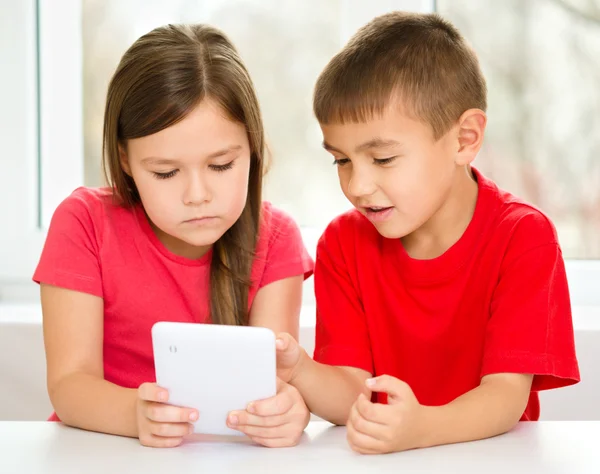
419, 62
158, 82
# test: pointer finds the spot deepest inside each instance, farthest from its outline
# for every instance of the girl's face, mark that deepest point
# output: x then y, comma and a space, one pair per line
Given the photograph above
192, 178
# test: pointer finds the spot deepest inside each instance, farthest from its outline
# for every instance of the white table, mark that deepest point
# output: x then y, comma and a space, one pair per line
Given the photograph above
551, 447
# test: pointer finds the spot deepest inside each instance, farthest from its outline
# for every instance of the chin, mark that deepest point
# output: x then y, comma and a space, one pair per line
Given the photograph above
389, 233
208, 239
392, 232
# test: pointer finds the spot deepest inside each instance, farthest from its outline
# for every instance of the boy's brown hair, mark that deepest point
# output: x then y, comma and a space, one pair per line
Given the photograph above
421, 61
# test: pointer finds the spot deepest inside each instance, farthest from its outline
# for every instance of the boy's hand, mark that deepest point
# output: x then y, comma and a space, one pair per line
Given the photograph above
375, 428
289, 357
276, 422
160, 425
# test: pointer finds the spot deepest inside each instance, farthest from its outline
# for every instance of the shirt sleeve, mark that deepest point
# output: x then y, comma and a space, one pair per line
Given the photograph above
70, 256
530, 328
286, 254
342, 337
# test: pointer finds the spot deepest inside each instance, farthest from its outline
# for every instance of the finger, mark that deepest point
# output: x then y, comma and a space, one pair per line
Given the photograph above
374, 412
275, 442
288, 351
169, 413
170, 430
362, 441
285, 342
154, 441
153, 393
367, 427
395, 388
272, 432
243, 418
277, 405
360, 450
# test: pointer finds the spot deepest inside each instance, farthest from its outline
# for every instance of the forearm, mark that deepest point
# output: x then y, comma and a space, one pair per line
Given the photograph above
490, 409
91, 403
328, 391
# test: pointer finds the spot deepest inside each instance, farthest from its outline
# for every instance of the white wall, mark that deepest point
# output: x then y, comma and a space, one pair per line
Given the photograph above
22, 366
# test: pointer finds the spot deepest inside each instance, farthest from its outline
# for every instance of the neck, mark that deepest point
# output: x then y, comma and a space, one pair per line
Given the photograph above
179, 247
449, 222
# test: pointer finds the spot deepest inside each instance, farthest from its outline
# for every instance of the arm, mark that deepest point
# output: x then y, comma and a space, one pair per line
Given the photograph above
530, 331
492, 408
329, 391
73, 331
73, 320
277, 306
342, 361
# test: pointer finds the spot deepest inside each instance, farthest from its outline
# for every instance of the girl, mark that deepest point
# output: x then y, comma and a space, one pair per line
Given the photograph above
181, 234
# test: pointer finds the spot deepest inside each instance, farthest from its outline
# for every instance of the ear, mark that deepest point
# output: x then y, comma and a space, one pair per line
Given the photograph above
471, 127
124, 160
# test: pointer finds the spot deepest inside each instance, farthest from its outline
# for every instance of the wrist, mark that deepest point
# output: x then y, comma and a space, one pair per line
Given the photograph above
429, 424
135, 401
300, 365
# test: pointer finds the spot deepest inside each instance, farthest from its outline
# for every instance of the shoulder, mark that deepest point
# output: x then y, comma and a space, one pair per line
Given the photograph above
280, 251
519, 226
91, 213
523, 222
276, 224
88, 205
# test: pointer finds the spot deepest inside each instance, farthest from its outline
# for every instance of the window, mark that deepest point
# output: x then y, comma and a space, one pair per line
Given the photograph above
541, 135
541, 61
20, 239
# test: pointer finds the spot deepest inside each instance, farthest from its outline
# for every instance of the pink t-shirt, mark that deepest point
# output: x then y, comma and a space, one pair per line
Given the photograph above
95, 246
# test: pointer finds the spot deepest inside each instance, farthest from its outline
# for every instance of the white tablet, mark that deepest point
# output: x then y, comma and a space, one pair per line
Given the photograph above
214, 369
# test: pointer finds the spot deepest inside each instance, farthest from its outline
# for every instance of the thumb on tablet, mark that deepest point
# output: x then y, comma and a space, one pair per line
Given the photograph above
288, 355
284, 342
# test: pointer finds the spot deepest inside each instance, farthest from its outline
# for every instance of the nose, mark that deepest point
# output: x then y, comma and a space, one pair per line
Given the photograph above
361, 183
197, 189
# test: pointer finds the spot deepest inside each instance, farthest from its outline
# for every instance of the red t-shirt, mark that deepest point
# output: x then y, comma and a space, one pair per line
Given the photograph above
97, 247
496, 301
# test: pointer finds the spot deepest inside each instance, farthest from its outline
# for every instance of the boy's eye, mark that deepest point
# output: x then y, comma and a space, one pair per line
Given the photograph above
167, 175
384, 161
220, 168
340, 161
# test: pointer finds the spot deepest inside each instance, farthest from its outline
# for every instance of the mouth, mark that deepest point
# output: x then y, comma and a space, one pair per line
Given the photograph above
198, 220
376, 209
378, 213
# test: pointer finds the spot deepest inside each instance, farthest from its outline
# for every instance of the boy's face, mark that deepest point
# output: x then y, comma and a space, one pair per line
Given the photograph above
392, 170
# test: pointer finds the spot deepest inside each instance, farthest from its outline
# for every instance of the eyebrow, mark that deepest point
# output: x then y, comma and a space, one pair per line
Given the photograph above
166, 161
373, 143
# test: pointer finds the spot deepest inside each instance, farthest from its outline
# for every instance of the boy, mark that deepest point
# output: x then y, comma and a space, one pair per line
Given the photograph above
449, 290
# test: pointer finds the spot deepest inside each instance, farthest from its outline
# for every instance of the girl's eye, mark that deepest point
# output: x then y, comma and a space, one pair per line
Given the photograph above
220, 168
340, 161
384, 161
168, 175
